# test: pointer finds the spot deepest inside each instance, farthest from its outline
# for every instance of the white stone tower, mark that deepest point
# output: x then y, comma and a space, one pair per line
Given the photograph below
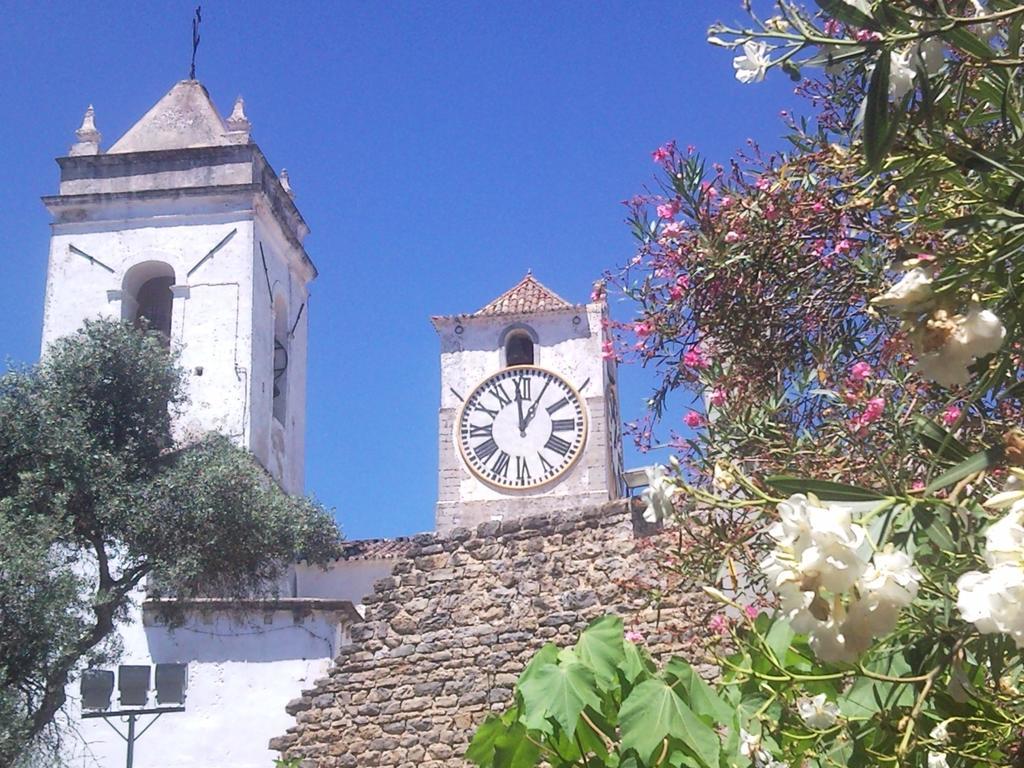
183, 222
529, 417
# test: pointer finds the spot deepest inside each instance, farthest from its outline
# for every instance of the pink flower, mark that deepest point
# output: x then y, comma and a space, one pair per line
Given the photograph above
643, 329
860, 372
693, 419
763, 183
695, 358
950, 415
598, 292
708, 190
717, 398
867, 36
832, 27
633, 636
668, 210
917, 485
675, 293
873, 411
672, 229
660, 155
608, 350
843, 246
752, 611
818, 207
719, 623
771, 212
725, 202
732, 236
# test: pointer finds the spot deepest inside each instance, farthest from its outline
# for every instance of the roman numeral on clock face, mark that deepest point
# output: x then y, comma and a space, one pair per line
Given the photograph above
501, 465
558, 445
557, 406
522, 470
478, 431
522, 384
499, 392
563, 425
486, 449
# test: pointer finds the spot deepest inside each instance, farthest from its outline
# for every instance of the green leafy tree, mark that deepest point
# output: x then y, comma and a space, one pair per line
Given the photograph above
95, 496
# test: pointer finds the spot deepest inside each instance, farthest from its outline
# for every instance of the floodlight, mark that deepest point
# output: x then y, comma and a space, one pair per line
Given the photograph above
133, 682
96, 687
171, 680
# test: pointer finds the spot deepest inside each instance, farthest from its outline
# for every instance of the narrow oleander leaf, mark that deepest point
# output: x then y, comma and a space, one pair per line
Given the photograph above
970, 466
823, 489
850, 14
940, 441
876, 113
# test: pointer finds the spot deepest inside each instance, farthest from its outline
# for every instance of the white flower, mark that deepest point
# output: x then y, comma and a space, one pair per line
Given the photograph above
967, 337
994, 601
658, 494
901, 75
752, 64
816, 712
939, 733
832, 646
891, 578
911, 293
1004, 540
937, 760
750, 745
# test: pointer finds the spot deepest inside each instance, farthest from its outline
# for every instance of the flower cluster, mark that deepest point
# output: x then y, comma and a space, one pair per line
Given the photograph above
994, 600
827, 587
946, 345
658, 495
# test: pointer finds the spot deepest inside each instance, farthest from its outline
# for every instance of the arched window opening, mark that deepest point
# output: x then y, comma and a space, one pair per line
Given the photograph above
146, 298
280, 361
519, 350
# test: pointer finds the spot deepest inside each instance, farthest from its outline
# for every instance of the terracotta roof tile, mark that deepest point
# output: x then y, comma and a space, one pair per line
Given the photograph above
375, 549
527, 296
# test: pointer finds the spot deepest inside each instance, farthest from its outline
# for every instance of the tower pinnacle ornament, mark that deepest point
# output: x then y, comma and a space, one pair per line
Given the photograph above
88, 137
238, 124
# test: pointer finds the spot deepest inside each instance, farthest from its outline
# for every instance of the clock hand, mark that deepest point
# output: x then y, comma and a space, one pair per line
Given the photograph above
519, 405
533, 408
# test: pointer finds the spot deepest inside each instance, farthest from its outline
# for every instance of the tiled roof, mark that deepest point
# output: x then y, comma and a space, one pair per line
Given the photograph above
525, 297
375, 549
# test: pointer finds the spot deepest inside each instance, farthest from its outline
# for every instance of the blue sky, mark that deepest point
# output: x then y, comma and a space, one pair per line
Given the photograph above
437, 149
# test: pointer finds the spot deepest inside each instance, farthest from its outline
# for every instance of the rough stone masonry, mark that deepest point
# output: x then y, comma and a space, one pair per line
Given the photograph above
447, 634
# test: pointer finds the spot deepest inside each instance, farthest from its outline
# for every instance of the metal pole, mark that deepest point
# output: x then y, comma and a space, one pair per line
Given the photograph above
131, 740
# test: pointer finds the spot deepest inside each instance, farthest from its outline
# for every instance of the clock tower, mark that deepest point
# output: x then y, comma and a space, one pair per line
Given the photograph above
182, 225
529, 417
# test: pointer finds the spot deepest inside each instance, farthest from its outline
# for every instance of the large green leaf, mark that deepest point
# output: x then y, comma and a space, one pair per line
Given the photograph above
823, 489
653, 712
697, 693
481, 747
972, 465
600, 647
513, 749
633, 664
559, 692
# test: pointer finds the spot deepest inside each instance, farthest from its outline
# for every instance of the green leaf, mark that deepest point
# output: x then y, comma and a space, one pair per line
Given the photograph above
967, 42
972, 465
940, 441
843, 11
876, 114
481, 747
696, 693
558, 691
653, 712
632, 665
513, 749
600, 647
823, 489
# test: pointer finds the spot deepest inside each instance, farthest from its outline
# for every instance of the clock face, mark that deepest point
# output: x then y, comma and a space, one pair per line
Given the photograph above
522, 427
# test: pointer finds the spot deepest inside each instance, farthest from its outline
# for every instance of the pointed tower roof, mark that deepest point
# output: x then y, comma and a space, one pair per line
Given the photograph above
184, 118
527, 296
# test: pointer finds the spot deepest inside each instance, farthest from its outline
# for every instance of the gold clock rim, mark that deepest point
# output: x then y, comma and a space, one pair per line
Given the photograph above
507, 486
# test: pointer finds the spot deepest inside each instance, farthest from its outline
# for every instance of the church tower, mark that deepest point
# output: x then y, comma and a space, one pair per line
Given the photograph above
182, 224
529, 417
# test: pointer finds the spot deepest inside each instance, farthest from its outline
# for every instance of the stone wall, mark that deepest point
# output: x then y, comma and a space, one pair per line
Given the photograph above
446, 635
